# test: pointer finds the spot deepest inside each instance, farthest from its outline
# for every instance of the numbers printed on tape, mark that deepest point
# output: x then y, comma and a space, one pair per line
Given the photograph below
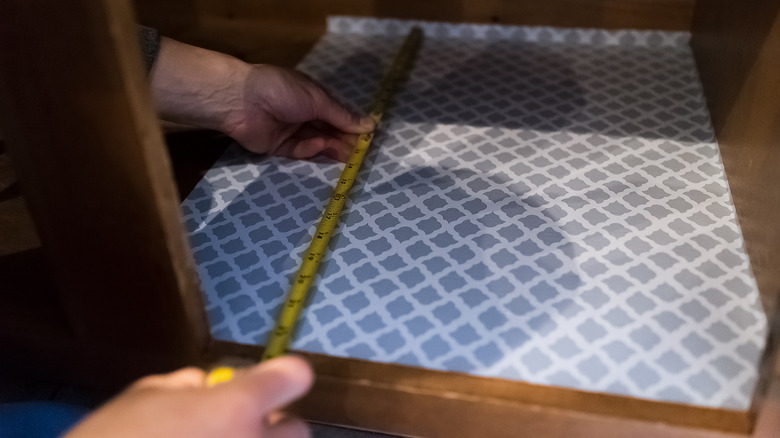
280, 337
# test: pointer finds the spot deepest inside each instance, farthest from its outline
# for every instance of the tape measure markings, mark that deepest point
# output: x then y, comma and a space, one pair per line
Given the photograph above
280, 336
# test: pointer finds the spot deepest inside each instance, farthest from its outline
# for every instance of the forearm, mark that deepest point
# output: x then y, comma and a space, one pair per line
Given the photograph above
195, 86
266, 109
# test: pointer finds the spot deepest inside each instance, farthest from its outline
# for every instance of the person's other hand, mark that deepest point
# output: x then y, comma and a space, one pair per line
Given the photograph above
180, 405
266, 109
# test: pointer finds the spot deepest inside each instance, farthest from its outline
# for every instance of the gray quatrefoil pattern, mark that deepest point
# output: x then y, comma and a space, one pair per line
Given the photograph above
545, 205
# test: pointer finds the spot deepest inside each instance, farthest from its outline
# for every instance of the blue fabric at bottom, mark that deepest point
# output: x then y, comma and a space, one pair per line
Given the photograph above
38, 419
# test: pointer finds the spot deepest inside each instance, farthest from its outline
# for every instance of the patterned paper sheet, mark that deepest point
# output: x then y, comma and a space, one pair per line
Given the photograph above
542, 204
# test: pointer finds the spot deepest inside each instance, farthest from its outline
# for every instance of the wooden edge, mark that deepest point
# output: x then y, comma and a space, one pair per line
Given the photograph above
736, 49
262, 41
120, 16
366, 378
369, 406
604, 14
764, 398
91, 161
767, 422
171, 15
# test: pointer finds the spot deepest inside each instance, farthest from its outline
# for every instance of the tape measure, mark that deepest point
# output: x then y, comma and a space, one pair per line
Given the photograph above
279, 339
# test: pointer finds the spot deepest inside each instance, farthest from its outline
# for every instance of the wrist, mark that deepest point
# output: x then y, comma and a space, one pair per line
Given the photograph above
197, 87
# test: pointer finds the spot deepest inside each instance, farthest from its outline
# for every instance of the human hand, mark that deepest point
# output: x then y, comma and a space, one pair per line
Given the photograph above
180, 405
266, 109
285, 113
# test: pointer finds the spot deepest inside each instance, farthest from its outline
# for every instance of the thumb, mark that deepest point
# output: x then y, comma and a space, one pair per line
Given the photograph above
332, 112
278, 382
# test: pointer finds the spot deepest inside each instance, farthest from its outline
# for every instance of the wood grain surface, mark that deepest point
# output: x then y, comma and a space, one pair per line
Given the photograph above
352, 392
88, 151
605, 14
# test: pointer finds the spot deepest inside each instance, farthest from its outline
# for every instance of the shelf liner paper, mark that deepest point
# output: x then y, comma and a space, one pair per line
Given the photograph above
541, 204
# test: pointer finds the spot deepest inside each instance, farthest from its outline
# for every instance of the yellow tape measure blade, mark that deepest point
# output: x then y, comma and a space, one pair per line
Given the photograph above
280, 336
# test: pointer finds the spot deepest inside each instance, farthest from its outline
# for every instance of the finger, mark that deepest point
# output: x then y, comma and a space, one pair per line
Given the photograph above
328, 110
338, 145
181, 379
277, 382
327, 147
301, 148
288, 428
337, 150
318, 127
